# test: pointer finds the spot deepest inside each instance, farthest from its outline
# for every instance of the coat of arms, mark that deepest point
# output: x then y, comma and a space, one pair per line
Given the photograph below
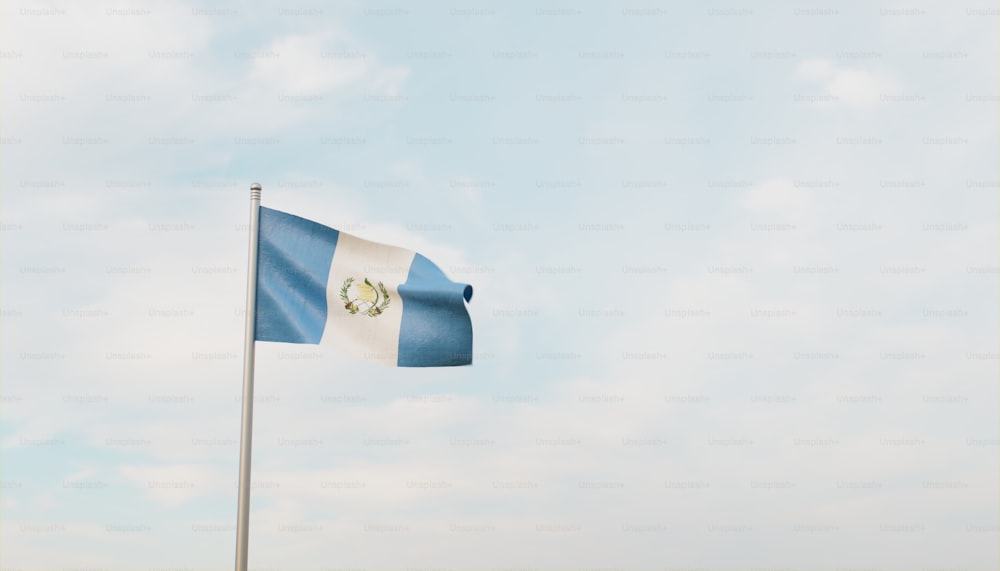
368, 298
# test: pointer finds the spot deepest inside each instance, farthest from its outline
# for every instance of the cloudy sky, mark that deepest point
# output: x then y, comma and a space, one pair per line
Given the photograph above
735, 271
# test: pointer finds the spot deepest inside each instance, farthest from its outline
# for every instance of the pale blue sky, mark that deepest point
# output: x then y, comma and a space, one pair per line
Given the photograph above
735, 273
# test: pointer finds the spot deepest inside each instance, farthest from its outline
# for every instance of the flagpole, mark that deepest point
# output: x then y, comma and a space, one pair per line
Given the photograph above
246, 433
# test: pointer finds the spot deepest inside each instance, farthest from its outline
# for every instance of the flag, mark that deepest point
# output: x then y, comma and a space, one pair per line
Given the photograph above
382, 303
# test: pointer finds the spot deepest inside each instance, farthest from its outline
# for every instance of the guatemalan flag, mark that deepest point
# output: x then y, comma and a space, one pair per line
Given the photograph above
382, 303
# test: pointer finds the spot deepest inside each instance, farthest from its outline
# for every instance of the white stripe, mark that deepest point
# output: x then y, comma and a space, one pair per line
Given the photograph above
376, 338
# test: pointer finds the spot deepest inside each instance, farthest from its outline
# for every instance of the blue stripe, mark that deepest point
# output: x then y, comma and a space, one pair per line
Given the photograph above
436, 330
293, 265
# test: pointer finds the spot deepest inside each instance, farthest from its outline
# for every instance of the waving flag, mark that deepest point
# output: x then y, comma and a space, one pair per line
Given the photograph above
308, 283
381, 303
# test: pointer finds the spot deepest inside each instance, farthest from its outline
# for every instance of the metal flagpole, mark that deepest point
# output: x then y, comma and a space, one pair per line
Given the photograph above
243, 512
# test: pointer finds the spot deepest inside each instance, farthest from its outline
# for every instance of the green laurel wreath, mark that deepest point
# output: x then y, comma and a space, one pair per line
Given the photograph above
348, 303
378, 309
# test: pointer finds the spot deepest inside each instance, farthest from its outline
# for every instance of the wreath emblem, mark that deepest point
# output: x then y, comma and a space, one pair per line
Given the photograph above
370, 299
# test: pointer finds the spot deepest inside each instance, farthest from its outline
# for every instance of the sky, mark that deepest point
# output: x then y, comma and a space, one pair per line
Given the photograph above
735, 269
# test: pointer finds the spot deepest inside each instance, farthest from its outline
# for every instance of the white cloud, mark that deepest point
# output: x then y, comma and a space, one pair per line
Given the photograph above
308, 65
777, 195
172, 485
816, 69
848, 86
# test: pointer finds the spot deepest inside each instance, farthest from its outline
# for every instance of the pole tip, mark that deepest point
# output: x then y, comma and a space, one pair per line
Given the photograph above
255, 186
